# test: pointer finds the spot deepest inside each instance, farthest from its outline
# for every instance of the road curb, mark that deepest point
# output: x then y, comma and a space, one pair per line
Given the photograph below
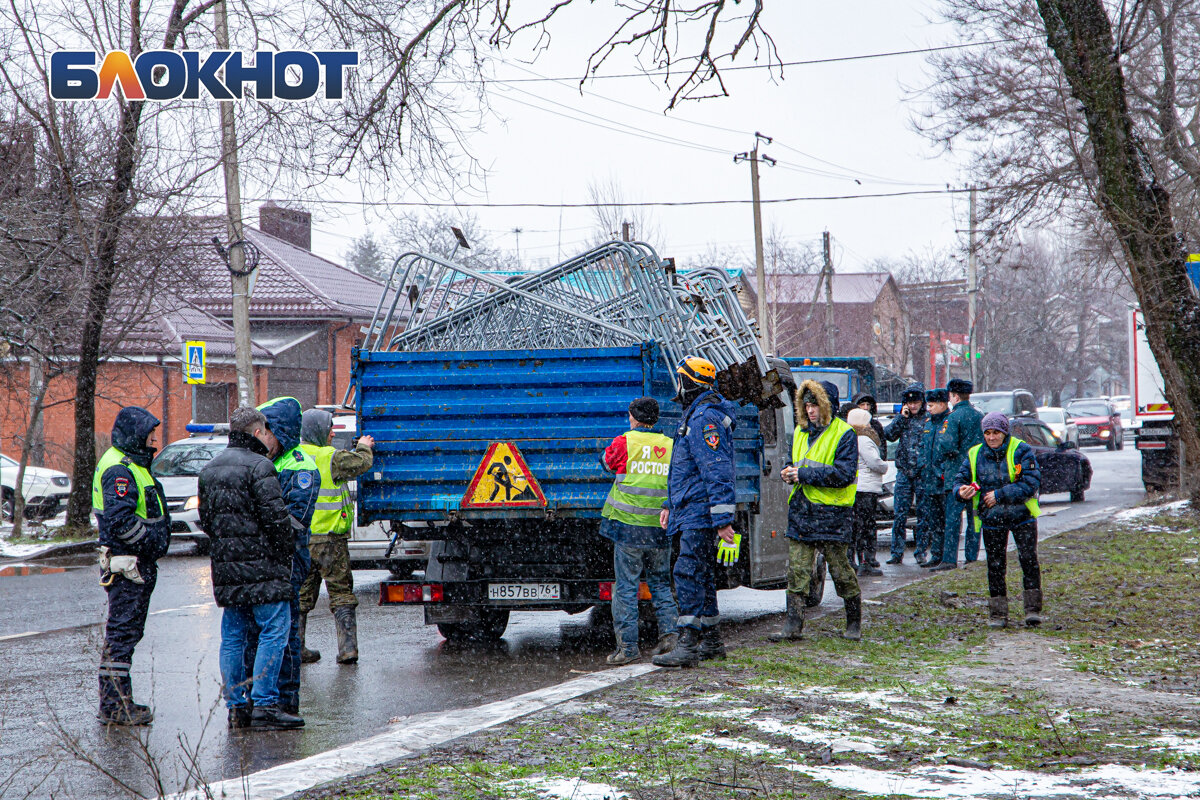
409, 737
54, 550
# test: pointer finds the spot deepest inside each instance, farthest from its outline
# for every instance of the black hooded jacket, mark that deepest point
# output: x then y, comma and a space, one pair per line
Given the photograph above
876, 425
120, 528
908, 431
243, 512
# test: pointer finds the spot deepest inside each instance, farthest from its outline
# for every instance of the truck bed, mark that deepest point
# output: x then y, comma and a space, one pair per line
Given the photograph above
434, 416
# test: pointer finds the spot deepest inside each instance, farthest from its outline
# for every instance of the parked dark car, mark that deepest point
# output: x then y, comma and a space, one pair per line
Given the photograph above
1064, 468
1014, 403
1098, 422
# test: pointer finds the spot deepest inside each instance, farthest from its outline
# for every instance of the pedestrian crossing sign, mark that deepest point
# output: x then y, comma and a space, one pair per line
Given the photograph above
503, 480
194, 364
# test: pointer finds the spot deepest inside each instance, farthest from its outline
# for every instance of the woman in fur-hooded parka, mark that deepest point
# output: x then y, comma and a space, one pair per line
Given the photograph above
816, 522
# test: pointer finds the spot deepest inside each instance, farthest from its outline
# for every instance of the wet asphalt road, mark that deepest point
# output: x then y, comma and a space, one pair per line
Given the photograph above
52, 746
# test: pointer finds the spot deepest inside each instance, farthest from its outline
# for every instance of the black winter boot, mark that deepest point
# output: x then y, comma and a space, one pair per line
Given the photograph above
347, 634
711, 645
306, 656
853, 618
997, 612
793, 627
272, 718
686, 652
1033, 607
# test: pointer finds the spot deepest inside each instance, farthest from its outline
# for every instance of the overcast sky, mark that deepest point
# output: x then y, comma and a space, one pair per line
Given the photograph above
832, 123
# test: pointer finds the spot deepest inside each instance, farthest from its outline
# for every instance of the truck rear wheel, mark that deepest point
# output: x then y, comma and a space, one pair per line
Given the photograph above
489, 627
816, 588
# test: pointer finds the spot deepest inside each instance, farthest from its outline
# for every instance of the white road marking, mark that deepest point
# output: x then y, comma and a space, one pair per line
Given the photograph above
181, 608
404, 739
18, 635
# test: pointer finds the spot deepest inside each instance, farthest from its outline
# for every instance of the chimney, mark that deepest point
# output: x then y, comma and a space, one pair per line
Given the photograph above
292, 225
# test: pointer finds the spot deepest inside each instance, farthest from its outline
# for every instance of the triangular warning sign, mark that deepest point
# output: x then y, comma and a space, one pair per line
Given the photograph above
503, 480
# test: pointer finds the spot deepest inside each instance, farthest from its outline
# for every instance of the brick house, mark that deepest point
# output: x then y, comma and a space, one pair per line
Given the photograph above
305, 317
867, 310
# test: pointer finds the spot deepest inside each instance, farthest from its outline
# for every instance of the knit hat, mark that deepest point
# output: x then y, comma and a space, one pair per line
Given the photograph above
858, 417
644, 410
994, 421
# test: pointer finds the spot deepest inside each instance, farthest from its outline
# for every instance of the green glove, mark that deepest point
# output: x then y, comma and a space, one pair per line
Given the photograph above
727, 553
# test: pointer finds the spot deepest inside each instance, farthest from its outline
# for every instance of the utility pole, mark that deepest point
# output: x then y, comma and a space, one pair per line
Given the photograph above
626, 235
233, 211
761, 277
517, 232
972, 289
827, 275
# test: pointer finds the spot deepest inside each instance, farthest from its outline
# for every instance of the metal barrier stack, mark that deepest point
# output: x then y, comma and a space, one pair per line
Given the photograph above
620, 293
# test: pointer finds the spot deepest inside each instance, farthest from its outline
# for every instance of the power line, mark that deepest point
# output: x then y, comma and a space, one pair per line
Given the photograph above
644, 204
779, 65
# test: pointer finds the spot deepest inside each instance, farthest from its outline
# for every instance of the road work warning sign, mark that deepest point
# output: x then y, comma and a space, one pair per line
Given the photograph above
503, 480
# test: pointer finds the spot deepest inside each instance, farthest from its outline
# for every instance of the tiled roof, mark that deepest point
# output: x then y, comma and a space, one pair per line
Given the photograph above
167, 323
291, 282
848, 287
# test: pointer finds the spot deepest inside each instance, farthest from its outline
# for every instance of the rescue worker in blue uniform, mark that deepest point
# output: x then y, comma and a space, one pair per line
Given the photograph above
300, 479
960, 433
821, 506
907, 427
135, 531
931, 494
700, 506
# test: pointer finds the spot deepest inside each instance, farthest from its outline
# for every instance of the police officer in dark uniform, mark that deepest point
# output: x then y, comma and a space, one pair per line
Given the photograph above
700, 507
960, 433
135, 531
907, 427
931, 493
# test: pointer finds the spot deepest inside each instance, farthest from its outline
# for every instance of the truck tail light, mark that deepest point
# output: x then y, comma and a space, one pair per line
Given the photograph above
391, 593
606, 591
431, 593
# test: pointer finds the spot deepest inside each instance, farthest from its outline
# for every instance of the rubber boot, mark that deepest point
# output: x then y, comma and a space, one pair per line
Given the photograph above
306, 656
1033, 607
853, 618
686, 652
347, 634
793, 627
711, 645
997, 612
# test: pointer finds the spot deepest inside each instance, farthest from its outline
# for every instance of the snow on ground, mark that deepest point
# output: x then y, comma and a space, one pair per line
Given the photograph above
1101, 783
748, 746
569, 789
43, 529
1142, 512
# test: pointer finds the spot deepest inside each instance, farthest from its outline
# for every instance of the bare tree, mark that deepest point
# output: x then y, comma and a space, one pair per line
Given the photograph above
1080, 114
613, 218
430, 233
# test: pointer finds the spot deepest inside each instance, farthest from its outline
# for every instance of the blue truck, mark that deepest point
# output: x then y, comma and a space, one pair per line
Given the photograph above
495, 458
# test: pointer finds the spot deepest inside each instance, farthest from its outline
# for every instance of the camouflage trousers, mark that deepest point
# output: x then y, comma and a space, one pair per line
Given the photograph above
331, 561
802, 556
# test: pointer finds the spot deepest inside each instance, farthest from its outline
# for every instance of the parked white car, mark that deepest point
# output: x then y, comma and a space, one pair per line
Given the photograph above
178, 467
1060, 422
45, 490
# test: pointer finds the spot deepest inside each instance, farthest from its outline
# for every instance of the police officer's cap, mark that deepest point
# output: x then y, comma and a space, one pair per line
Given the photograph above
912, 394
937, 396
644, 410
960, 386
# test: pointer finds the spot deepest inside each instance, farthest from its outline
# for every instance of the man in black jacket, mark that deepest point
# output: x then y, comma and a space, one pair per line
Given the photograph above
243, 512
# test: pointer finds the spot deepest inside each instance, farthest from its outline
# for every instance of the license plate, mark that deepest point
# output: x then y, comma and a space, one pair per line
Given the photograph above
523, 591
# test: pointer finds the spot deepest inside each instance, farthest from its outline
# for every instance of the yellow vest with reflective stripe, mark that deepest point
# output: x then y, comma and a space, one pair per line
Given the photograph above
821, 453
1031, 504
636, 497
141, 476
334, 514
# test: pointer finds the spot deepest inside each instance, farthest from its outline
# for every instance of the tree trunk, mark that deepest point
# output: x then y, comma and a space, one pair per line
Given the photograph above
117, 204
36, 400
1138, 208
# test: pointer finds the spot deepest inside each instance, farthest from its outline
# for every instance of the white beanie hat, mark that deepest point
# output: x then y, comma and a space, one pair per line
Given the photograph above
858, 417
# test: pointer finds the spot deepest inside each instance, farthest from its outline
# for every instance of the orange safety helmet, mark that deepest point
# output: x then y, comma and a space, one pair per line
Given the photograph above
700, 370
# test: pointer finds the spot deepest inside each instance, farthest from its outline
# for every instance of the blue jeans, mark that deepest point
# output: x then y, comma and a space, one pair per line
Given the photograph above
629, 564
272, 621
695, 579
902, 500
289, 670
954, 515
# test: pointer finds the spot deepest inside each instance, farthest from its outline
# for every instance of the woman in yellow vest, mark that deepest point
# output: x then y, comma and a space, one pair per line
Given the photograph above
641, 459
821, 506
1000, 478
